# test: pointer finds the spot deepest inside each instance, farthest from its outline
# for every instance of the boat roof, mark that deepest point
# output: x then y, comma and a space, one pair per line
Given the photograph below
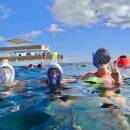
23, 48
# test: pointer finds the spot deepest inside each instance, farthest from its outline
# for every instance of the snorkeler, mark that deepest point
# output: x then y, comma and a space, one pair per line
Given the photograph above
7, 82
7, 72
54, 77
101, 61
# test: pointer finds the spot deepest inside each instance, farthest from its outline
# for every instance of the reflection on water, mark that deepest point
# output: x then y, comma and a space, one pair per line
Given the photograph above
32, 107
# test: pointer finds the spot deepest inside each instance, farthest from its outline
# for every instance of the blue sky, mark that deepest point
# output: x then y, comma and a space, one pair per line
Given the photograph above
74, 28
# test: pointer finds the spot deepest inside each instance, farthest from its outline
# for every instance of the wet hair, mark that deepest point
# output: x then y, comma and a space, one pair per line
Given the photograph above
101, 56
123, 56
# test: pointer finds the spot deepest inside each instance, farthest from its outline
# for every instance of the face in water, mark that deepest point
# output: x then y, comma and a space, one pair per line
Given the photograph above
54, 77
5, 75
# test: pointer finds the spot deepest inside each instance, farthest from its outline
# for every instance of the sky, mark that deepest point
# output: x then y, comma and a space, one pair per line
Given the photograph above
74, 28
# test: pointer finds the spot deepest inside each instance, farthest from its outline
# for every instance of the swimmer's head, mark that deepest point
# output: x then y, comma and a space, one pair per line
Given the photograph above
54, 74
5, 75
6, 72
101, 57
5, 61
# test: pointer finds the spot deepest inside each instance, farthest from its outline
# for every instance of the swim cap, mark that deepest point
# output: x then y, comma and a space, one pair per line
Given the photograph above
54, 79
6, 73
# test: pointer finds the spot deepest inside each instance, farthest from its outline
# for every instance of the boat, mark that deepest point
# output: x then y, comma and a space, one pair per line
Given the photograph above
34, 55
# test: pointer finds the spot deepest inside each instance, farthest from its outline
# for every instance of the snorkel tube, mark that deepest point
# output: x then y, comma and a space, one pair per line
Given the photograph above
94, 64
54, 57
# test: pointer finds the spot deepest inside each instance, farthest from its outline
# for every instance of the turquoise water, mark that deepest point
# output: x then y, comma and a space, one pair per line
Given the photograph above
80, 107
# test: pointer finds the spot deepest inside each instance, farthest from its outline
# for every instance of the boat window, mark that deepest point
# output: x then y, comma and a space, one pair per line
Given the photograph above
28, 53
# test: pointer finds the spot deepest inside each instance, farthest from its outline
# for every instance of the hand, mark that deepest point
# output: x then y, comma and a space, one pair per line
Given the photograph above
115, 74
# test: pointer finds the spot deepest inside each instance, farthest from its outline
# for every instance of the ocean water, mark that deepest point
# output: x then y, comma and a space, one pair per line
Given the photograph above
29, 106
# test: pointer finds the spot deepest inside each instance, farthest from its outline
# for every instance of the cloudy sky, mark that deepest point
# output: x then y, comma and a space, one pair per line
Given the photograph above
75, 28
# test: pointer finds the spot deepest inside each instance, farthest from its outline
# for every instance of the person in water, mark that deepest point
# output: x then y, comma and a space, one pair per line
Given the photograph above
7, 74
54, 76
102, 61
7, 81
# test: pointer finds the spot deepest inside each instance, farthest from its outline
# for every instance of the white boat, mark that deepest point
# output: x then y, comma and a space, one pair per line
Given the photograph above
28, 55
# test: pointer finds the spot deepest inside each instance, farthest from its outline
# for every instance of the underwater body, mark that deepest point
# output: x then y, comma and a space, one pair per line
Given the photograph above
78, 107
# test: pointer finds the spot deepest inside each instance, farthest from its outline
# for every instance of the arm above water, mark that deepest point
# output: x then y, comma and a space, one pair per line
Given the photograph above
116, 74
69, 80
117, 77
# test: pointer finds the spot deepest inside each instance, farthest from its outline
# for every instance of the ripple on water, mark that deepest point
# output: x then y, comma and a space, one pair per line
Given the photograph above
77, 108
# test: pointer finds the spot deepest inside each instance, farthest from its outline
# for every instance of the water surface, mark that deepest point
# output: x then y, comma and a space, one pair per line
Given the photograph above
80, 107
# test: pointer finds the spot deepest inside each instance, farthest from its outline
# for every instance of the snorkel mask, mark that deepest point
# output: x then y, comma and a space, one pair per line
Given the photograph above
6, 74
54, 75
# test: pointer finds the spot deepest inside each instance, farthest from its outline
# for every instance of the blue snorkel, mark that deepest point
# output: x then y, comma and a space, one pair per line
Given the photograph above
93, 55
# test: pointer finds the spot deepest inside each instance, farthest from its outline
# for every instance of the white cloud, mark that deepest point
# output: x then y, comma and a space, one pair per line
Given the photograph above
32, 34
86, 12
4, 12
2, 39
55, 28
